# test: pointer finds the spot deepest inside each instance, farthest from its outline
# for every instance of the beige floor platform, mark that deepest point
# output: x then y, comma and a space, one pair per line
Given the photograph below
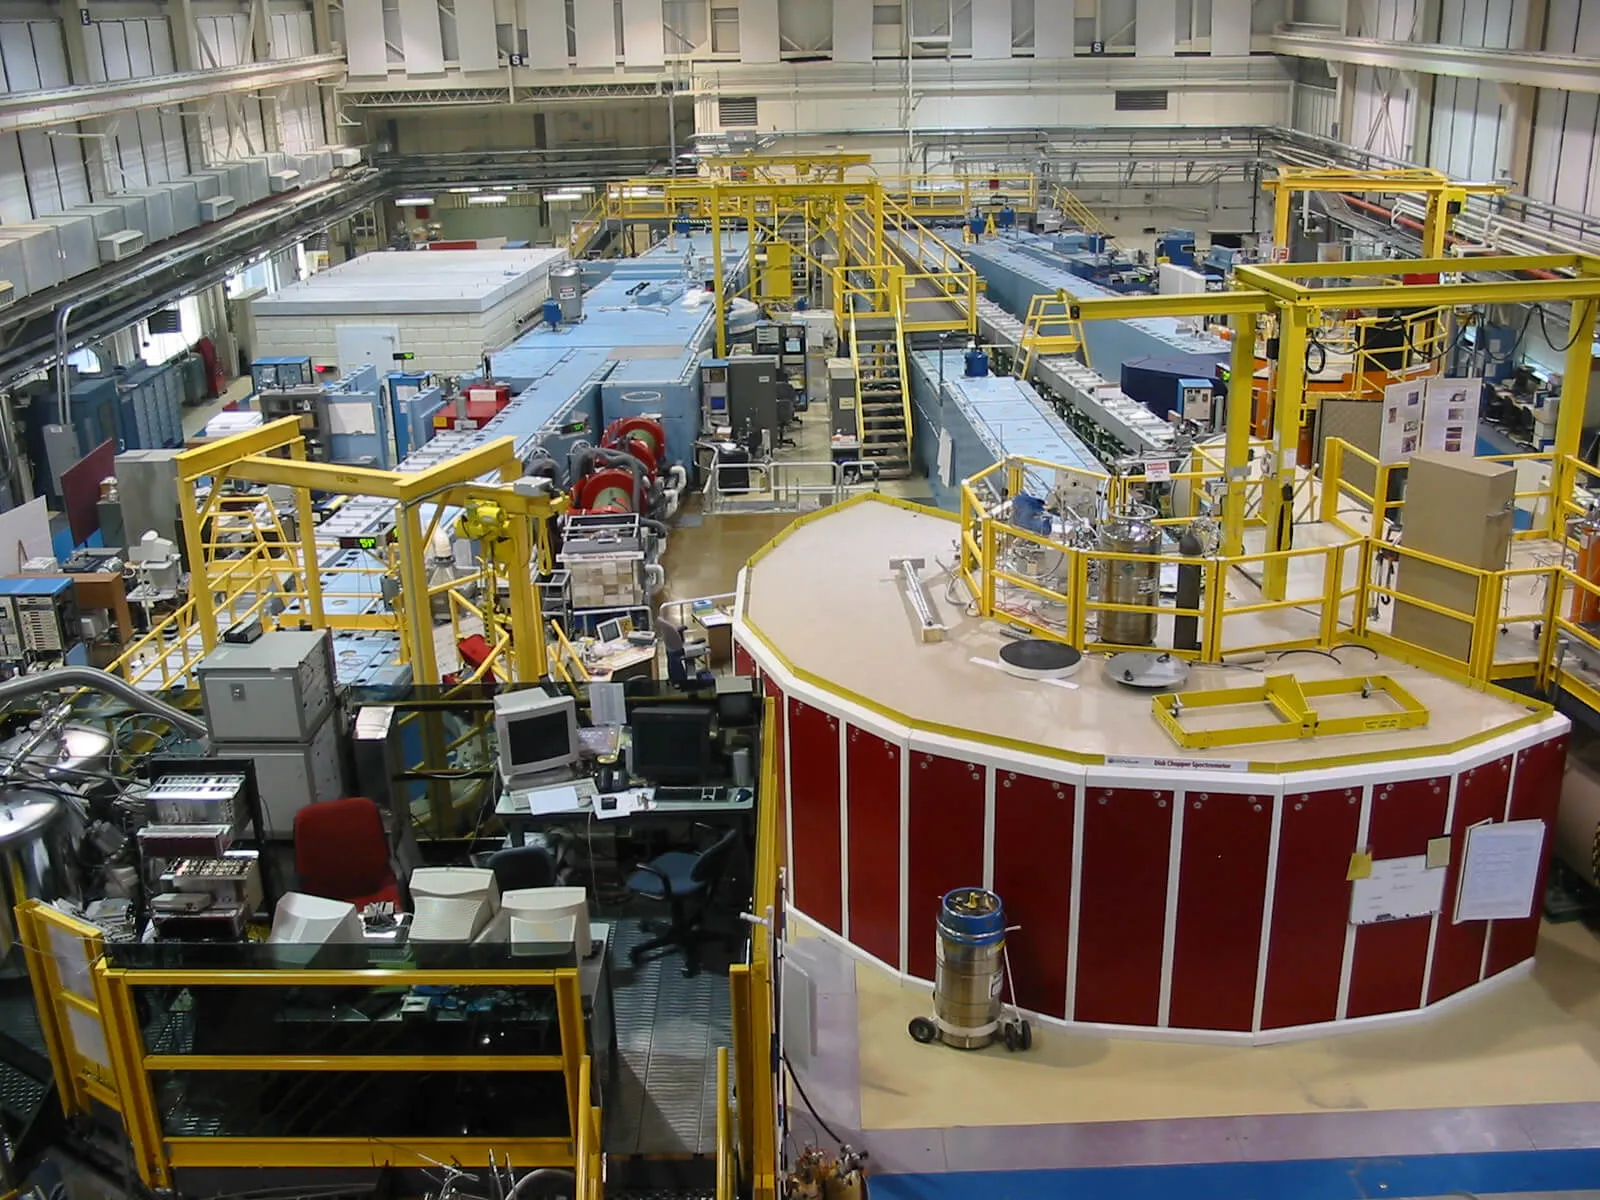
1536, 1040
867, 648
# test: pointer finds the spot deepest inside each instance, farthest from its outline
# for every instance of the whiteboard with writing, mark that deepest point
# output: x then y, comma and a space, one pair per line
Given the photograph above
1500, 871
1397, 889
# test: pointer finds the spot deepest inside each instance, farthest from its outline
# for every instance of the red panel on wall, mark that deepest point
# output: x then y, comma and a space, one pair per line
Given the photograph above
814, 840
1310, 907
1122, 904
743, 664
1391, 958
945, 846
1222, 890
1458, 949
1535, 794
1033, 830
872, 768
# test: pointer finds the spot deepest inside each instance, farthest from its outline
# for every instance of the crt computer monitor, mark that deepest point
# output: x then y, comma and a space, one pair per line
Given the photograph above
548, 916
672, 743
535, 732
302, 920
452, 904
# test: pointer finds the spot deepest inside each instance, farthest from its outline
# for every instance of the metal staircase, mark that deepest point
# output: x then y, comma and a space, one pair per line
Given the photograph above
883, 409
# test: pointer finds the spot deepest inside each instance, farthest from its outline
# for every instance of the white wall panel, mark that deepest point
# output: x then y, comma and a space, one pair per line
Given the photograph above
1155, 30
1053, 24
1545, 150
14, 203
1381, 120
1230, 28
1391, 20
991, 28
1316, 110
477, 46
420, 39
1587, 38
1561, 25
546, 23
642, 38
758, 31
300, 107
363, 36
595, 23
852, 31
1577, 154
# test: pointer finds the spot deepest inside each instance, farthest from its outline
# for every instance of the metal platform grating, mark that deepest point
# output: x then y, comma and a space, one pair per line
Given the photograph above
20, 1093
663, 1099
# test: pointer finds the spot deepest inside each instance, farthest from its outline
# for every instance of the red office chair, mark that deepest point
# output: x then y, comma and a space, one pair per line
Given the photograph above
341, 852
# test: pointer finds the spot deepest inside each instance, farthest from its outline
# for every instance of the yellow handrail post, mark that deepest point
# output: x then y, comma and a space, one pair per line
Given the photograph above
1241, 393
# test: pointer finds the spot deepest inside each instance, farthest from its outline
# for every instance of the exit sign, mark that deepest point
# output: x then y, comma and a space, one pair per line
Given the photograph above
404, 356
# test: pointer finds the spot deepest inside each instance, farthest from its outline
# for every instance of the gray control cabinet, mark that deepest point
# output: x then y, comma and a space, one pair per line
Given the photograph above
289, 776
279, 688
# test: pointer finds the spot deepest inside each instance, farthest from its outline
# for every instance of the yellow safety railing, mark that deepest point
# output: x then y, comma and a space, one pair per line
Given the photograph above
584, 230
1342, 590
1068, 204
727, 1144
143, 1054
588, 1152
1065, 336
953, 194
756, 1078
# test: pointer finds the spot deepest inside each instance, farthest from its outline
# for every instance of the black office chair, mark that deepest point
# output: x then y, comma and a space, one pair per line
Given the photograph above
522, 867
687, 883
786, 408
678, 670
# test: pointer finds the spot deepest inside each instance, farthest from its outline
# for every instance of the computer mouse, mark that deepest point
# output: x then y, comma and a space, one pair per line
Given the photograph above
608, 803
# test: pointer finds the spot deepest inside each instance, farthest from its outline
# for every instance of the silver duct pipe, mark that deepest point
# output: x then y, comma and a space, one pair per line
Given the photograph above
101, 681
63, 392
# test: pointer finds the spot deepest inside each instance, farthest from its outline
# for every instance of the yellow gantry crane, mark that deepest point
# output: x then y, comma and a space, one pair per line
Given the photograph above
1443, 197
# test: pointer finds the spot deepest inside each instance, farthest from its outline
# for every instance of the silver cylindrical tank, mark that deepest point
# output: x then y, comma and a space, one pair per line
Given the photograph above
566, 289
1130, 529
966, 987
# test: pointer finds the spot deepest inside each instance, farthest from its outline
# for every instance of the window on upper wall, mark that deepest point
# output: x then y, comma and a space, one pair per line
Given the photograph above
1022, 24
725, 30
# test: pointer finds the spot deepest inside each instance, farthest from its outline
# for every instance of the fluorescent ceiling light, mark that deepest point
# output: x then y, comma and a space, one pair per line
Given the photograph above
413, 202
462, 191
556, 197
487, 199
503, 187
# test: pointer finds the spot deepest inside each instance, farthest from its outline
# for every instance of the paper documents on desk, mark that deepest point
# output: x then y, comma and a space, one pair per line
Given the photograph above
628, 803
542, 801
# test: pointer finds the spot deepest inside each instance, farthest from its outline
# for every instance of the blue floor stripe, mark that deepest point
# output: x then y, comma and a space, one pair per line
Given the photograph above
1302, 1179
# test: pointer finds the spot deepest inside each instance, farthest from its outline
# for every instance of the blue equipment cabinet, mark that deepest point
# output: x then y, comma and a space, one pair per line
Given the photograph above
1176, 246
358, 421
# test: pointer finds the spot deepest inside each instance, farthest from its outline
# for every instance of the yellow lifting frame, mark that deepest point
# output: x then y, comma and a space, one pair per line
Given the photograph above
1279, 293
1442, 196
247, 456
1288, 699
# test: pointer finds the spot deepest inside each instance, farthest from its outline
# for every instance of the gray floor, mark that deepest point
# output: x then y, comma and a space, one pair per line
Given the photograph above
662, 1100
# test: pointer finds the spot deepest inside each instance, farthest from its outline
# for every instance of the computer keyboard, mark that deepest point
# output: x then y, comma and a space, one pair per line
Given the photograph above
689, 795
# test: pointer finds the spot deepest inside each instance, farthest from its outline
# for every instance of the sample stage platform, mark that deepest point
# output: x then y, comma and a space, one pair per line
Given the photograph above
1193, 893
